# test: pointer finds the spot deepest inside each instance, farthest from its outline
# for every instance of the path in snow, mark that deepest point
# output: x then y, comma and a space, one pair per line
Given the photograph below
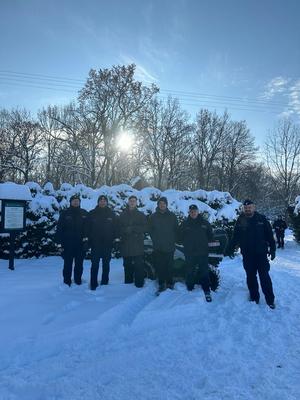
121, 342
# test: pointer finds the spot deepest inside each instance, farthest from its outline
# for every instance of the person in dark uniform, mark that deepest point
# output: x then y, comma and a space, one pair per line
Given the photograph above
195, 233
70, 234
253, 234
280, 226
132, 227
163, 230
101, 232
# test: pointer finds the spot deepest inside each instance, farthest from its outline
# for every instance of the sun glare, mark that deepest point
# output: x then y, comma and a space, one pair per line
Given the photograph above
125, 141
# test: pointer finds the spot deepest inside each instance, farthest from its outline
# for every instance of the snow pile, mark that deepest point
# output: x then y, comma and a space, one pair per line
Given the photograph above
43, 210
297, 205
124, 343
13, 191
294, 214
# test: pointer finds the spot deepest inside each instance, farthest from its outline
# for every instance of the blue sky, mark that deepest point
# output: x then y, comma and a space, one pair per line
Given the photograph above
237, 54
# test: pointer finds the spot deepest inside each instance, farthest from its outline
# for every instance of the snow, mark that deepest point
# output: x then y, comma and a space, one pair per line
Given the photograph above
297, 205
13, 191
121, 343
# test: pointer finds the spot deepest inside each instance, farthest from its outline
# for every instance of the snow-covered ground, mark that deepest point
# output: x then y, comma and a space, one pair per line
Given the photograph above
121, 343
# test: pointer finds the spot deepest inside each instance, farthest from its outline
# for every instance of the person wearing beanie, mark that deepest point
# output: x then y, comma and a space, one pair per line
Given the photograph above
70, 233
253, 234
101, 232
163, 230
132, 227
195, 233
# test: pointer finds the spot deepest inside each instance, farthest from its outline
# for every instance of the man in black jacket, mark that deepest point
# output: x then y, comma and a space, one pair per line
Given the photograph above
70, 234
195, 233
280, 226
132, 227
101, 232
253, 234
163, 229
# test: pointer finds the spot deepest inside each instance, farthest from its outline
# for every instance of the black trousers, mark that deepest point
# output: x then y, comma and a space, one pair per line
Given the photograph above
258, 263
280, 239
73, 253
134, 270
96, 256
163, 264
197, 271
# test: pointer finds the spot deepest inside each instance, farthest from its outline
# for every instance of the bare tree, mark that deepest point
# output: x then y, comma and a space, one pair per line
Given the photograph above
23, 140
164, 131
238, 152
208, 143
283, 159
110, 101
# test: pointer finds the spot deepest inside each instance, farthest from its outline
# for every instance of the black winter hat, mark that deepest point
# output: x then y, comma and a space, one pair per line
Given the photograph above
102, 196
163, 199
247, 202
193, 207
74, 197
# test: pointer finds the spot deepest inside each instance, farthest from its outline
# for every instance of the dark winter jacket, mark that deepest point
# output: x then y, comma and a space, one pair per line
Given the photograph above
132, 226
71, 226
163, 230
101, 228
253, 235
195, 234
279, 225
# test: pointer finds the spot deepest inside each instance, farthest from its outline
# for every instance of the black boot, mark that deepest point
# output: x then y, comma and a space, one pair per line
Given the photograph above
208, 297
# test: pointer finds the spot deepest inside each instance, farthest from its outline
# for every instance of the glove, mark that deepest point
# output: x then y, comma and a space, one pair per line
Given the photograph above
272, 255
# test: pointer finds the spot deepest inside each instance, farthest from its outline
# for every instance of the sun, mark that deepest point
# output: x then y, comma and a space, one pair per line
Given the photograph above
125, 141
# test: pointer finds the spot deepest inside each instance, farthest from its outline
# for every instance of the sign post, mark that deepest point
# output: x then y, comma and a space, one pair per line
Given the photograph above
13, 200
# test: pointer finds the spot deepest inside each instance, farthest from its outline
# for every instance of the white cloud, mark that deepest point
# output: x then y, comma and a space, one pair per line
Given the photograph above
141, 73
277, 85
287, 88
294, 97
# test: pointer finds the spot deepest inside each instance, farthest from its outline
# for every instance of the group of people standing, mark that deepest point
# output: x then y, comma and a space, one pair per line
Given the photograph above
79, 230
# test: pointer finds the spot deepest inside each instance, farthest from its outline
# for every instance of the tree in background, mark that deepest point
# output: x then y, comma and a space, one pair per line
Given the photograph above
208, 144
22, 145
111, 101
283, 160
165, 139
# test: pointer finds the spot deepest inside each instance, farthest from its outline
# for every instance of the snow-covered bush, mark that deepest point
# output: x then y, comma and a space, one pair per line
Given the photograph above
294, 214
43, 211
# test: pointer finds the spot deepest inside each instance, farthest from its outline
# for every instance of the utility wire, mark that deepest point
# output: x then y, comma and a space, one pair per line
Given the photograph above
40, 81
70, 81
208, 103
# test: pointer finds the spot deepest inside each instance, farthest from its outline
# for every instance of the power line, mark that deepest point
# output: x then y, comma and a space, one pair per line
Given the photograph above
42, 76
70, 81
199, 105
34, 86
38, 81
183, 102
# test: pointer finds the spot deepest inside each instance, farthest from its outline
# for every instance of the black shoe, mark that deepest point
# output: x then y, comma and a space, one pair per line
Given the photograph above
208, 297
67, 283
128, 281
93, 287
272, 306
78, 282
161, 287
104, 282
